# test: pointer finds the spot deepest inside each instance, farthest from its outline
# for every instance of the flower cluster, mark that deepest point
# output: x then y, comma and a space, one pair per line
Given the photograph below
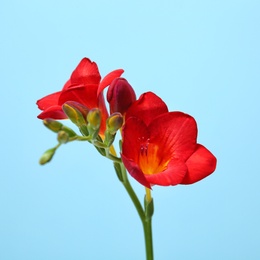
158, 147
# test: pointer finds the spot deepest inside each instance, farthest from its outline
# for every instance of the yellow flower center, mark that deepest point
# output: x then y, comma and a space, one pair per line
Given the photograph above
151, 160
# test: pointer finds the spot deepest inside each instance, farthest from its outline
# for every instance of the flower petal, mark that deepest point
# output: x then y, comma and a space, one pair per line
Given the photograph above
48, 101
173, 175
104, 113
106, 81
54, 112
200, 164
147, 107
84, 94
85, 73
135, 171
175, 133
134, 133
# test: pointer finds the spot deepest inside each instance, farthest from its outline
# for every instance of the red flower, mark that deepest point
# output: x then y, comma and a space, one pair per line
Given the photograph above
82, 87
160, 147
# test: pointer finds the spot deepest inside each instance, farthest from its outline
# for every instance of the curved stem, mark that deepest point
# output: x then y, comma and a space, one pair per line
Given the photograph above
144, 214
132, 194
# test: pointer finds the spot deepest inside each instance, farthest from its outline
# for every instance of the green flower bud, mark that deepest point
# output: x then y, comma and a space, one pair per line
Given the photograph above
81, 108
69, 131
94, 118
73, 114
47, 156
63, 137
52, 124
114, 122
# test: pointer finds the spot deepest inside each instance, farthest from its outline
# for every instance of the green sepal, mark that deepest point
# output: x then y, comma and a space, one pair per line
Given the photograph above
102, 151
120, 145
109, 138
149, 208
118, 171
84, 130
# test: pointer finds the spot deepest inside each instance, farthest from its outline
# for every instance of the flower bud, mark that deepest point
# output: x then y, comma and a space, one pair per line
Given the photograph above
69, 131
52, 124
63, 137
74, 114
47, 156
120, 95
94, 118
114, 122
81, 108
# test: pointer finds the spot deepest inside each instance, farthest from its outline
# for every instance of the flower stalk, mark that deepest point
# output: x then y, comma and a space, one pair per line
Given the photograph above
145, 213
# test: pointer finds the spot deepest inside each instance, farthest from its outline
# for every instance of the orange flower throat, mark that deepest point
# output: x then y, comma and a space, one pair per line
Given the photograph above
151, 160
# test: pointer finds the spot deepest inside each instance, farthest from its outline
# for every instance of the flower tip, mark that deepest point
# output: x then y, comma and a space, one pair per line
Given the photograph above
73, 112
114, 122
120, 95
52, 124
47, 156
94, 118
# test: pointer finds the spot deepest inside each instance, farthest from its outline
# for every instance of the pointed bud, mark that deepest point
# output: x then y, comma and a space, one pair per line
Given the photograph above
94, 122
47, 156
81, 108
120, 95
94, 118
63, 137
52, 124
74, 114
114, 123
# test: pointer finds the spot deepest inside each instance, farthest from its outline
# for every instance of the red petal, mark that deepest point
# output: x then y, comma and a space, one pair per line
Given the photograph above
85, 73
135, 171
147, 107
104, 113
173, 175
48, 101
54, 112
175, 133
84, 94
134, 133
106, 81
201, 164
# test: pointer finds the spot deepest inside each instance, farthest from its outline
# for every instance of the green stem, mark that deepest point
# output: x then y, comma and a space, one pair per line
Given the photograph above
132, 194
144, 214
147, 225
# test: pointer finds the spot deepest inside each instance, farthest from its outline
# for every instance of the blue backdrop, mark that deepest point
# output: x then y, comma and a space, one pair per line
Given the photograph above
200, 57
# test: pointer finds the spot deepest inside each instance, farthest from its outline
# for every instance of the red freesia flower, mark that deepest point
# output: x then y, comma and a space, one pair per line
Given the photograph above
160, 147
82, 87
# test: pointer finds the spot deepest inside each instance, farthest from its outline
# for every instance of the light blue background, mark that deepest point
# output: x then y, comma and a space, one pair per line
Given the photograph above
202, 57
